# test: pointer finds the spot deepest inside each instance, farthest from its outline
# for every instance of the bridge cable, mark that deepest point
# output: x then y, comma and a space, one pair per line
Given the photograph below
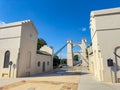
60, 49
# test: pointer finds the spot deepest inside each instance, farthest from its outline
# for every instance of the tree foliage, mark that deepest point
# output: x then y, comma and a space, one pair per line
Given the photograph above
56, 61
75, 58
63, 61
41, 42
56, 57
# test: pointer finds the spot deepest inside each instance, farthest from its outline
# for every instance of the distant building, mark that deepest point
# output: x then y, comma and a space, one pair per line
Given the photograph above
105, 34
44, 59
18, 44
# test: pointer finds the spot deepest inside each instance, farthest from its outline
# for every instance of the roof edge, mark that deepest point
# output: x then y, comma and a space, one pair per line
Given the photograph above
19, 23
108, 11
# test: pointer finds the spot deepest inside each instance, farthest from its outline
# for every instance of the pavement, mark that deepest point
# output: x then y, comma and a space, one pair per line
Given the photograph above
88, 82
58, 79
6, 81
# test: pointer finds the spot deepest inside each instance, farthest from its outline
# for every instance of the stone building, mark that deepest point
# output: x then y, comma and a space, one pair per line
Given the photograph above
18, 43
105, 34
44, 59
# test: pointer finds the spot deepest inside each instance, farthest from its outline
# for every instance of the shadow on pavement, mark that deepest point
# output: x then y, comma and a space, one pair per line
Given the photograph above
59, 72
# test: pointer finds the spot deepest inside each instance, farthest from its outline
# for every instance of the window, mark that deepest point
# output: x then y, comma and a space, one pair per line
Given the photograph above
39, 64
6, 59
47, 63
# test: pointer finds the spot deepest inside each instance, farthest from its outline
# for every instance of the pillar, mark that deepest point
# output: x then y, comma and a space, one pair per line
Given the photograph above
83, 53
69, 53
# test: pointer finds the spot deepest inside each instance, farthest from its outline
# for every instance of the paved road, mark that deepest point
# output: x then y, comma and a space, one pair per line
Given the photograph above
88, 82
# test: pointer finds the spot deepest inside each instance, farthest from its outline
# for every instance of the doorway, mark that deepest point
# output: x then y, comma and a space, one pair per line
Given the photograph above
43, 69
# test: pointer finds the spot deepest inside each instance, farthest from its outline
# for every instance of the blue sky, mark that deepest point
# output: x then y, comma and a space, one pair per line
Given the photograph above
56, 20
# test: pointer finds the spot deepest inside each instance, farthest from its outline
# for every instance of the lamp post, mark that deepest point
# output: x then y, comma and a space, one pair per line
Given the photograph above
10, 63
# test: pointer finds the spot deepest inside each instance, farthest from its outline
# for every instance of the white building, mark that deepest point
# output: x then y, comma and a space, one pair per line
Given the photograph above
44, 59
18, 43
105, 34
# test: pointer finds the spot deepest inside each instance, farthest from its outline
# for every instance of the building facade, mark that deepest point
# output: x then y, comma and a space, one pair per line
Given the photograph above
105, 34
44, 59
18, 43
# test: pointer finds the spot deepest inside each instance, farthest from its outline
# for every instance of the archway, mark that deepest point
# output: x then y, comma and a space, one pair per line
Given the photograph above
77, 59
82, 53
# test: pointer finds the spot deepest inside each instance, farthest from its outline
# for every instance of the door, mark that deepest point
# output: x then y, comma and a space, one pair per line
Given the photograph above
43, 67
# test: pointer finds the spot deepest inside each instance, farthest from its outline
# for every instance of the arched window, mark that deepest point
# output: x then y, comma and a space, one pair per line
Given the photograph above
39, 64
6, 59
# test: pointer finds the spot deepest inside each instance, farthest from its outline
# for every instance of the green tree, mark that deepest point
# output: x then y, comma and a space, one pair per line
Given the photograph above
75, 58
56, 61
63, 61
41, 42
56, 57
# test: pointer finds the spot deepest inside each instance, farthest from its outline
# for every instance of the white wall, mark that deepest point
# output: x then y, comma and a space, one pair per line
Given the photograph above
9, 40
105, 34
49, 50
43, 58
20, 38
28, 45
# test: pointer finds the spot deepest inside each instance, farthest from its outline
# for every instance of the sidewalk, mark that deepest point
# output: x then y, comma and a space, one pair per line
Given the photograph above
88, 82
9, 81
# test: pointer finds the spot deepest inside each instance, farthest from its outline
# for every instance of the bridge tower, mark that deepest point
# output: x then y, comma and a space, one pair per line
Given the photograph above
69, 53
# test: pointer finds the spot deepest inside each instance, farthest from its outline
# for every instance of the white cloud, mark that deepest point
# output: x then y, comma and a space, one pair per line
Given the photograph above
1, 22
83, 29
